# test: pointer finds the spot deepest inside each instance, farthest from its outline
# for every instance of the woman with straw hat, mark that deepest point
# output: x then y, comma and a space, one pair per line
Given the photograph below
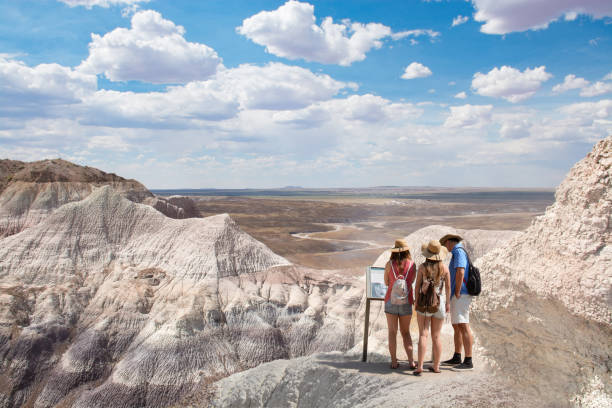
399, 299
432, 273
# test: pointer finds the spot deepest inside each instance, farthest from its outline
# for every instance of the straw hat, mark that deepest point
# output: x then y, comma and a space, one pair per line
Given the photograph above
400, 246
450, 236
434, 251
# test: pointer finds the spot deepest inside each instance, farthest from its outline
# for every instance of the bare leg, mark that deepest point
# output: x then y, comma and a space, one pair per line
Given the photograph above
392, 328
436, 328
404, 327
423, 331
458, 338
467, 337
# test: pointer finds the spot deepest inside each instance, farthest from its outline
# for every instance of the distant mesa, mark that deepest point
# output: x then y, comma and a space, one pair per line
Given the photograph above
31, 191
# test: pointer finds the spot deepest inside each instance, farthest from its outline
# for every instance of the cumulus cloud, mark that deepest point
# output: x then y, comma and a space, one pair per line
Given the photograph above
469, 116
459, 20
101, 3
587, 89
35, 91
596, 89
608, 77
416, 70
502, 17
461, 95
509, 83
589, 110
515, 126
291, 32
570, 82
152, 50
275, 86
366, 108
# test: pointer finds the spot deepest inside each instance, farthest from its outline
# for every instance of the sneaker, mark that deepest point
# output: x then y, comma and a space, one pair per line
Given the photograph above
453, 361
463, 367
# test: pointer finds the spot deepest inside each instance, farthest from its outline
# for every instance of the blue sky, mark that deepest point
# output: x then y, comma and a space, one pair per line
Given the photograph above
234, 94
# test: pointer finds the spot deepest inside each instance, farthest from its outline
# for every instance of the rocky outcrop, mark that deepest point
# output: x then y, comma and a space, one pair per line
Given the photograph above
337, 380
29, 192
548, 302
477, 242
178, 207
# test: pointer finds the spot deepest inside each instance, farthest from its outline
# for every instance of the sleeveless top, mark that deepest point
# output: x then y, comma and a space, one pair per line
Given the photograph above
409, 270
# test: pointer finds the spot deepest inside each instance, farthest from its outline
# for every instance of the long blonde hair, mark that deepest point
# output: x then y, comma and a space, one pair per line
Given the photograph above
433, 270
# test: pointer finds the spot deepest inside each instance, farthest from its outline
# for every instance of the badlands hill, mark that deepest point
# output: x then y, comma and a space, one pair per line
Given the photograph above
107, 302
31, 191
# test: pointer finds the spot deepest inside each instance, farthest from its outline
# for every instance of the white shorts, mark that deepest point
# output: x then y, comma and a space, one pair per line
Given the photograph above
460, 309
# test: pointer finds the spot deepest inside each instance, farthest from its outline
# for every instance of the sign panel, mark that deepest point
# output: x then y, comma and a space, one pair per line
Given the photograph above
375, 283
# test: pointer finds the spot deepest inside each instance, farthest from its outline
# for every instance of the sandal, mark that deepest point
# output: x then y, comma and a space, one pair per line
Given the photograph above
417, 373
412, 366
394, 365
434, 371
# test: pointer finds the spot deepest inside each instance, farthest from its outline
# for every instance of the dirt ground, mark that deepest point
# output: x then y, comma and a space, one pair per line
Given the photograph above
349, 233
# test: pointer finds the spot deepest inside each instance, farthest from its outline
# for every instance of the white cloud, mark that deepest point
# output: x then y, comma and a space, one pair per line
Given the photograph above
596, 89
586, 88
101, 3
152, 50
461, 95
363, 108
416, 33
570, 82
277, 86
502, 17
36, 91
291, 32
248, 87
114, 143
416, 70
608, 77
459, 20
469, 116
515, 125
509, 83
589, 110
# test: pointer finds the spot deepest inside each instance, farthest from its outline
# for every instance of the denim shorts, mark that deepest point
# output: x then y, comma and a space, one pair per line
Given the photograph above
401, 310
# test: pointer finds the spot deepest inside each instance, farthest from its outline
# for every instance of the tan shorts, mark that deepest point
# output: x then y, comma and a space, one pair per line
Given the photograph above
460, 309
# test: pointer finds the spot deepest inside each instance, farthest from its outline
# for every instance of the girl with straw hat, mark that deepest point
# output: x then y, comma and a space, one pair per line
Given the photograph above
433, 273
399, 299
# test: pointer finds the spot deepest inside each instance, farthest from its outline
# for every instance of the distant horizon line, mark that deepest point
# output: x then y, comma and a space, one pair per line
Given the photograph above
354, 188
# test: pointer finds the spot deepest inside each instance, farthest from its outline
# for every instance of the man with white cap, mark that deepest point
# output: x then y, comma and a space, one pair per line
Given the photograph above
459, 303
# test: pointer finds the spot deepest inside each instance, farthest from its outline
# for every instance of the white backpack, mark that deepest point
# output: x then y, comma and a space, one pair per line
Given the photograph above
399, 291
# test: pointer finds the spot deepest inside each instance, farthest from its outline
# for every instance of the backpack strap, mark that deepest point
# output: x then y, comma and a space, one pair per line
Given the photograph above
405, 275
468, 265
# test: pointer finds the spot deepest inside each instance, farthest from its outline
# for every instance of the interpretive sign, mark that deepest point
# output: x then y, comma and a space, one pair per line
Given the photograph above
375, 283
375, 290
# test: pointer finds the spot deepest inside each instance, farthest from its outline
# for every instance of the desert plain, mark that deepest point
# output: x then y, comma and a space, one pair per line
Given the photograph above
349, 228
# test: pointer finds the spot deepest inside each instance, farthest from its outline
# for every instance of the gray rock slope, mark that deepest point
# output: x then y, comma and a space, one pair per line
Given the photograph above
110, 303
547, 304
335, 380
29, 192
